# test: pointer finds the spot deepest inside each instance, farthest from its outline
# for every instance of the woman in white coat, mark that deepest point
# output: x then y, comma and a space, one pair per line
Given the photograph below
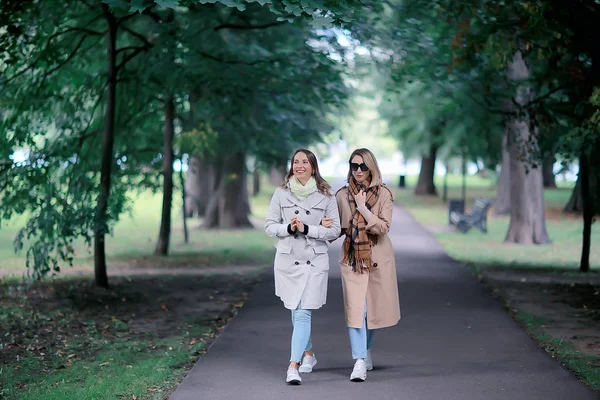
301, 266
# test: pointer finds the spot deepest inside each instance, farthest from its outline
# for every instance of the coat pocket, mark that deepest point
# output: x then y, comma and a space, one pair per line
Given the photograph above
284, 246
320, 247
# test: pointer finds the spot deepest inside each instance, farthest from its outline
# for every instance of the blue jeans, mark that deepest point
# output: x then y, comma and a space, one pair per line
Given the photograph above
361, 339
301, 319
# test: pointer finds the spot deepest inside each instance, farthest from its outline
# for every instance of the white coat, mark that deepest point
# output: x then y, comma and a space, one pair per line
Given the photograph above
301, 266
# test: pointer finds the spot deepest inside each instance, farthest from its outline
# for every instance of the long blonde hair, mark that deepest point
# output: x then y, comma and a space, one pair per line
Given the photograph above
371, 163
322, 186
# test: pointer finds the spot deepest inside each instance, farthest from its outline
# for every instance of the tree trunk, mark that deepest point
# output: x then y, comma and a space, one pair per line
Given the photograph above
445, 188
162, 245
196, 179
548, 171
575, 204
527, 211
255, 182
186, 238
229, 206
276, 175
425, 185
464, 179
108, 137
199, 185
502, 203
211, 213
588, 212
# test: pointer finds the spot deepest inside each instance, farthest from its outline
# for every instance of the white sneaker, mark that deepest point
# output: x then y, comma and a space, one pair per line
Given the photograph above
359, 373
308, 363
369, 361
293, 377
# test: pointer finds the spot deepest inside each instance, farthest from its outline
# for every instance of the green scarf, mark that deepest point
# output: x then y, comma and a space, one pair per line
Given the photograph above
302, 191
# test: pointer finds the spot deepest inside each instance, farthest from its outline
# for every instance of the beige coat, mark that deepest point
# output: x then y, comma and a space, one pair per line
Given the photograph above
378, 288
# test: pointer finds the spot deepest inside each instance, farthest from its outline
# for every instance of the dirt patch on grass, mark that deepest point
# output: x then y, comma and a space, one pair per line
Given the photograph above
564, 305
58, 324
557, 214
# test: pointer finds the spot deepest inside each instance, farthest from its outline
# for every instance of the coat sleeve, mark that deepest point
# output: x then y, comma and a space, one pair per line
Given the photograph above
380, 224
274, 224
342, 204
319, 232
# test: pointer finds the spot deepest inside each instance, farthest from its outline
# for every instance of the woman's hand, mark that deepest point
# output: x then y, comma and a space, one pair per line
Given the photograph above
327, 222
293, 224
361, 199
299, 225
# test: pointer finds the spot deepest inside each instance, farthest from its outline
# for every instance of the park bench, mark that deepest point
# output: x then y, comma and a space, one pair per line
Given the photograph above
476, 218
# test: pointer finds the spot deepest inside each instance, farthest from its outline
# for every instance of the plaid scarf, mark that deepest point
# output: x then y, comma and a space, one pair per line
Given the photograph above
357, 245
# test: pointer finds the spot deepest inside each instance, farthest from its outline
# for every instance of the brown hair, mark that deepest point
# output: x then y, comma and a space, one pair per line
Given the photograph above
371, 162
322, 186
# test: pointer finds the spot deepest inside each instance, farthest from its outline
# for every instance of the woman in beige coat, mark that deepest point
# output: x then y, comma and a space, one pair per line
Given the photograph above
369, 281
301, 266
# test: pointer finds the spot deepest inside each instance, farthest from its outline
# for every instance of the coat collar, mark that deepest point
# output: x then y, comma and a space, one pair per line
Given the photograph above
311, 201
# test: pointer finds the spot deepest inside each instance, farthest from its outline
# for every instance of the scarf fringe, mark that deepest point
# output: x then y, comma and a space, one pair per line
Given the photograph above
360, 265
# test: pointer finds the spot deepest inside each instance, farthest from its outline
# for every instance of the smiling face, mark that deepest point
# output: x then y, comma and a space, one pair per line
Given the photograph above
302, 168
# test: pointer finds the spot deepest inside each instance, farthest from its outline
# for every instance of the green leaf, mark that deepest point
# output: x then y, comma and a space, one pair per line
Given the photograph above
167, 3
321, 22
137, 6
229, 3
293, 8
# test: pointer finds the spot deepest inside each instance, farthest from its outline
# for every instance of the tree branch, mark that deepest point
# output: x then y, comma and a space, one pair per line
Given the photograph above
550, 93
53, 36
133, 55
127, 48
235, 62
60, 65
139, 36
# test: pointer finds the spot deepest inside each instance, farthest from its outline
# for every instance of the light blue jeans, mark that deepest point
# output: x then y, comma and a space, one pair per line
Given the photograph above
361, 339
301, 319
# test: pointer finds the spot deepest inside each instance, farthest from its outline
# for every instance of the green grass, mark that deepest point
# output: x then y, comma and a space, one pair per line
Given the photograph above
564, 230
584, 366
122, 368
69, 340
56, 350
134, 237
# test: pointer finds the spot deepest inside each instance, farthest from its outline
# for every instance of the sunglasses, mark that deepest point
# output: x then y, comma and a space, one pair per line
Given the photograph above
355, 166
